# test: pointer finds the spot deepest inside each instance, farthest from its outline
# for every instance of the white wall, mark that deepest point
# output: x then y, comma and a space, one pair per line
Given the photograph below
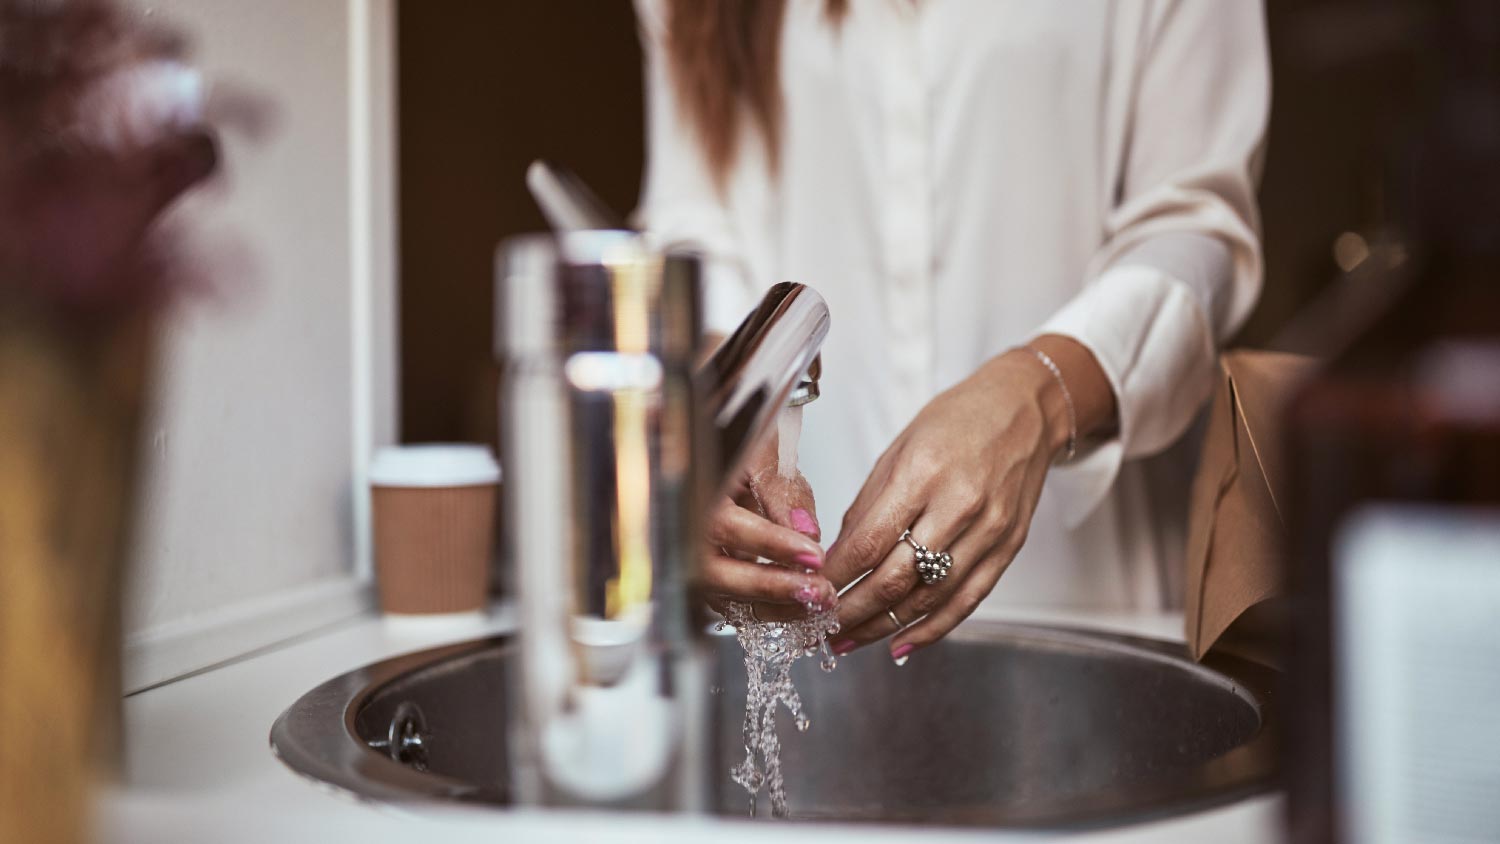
273, 389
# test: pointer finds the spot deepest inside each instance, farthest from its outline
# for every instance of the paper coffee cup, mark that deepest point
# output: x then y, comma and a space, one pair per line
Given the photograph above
434, 522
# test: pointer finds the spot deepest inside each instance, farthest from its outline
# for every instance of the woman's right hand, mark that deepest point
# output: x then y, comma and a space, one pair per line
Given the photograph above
766, 514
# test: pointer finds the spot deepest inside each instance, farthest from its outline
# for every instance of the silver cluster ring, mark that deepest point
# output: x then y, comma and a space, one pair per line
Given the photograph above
932, 565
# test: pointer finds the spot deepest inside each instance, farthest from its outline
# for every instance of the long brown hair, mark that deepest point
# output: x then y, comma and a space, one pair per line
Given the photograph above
724, 56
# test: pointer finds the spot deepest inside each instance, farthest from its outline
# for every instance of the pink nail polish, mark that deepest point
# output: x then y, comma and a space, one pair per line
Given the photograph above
807, 594
843, 646
809, 559
899, 654
804, 522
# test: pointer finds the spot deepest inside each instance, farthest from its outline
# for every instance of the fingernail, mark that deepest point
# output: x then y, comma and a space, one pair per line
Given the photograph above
809, 559
900, 654
843, 646
808, 594
804, 522
816, 597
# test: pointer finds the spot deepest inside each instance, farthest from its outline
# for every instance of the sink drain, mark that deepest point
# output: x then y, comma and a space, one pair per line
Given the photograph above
406, 738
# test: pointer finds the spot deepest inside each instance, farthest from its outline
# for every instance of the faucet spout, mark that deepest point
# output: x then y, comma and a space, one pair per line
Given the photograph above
771, 361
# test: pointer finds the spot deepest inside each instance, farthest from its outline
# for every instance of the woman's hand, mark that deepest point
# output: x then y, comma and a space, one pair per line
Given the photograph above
964, 477
768, 515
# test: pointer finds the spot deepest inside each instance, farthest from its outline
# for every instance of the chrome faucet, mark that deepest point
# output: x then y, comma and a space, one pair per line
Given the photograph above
770, 362
758, 367
613, 439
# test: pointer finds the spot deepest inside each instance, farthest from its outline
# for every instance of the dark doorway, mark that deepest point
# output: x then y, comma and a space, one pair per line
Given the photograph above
485, 88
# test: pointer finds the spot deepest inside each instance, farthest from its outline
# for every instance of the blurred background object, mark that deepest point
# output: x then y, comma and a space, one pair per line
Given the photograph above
1344, 85
1394, 461
434, 524
485, 89
100, 131
1236, 546
276, 386
221, 447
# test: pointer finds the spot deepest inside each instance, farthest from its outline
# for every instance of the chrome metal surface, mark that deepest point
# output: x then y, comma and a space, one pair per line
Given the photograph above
770, 358
1019, 726
405, 738
325, 735
807, 390
601, 445
567, 203
606, 443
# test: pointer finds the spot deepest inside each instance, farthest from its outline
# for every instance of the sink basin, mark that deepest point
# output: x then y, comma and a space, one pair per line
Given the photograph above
1001, 725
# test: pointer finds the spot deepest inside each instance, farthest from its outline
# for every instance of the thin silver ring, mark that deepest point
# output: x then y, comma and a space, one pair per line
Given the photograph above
894, 620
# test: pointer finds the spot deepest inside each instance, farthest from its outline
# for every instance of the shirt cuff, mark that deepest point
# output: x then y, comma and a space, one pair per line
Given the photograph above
1150, 336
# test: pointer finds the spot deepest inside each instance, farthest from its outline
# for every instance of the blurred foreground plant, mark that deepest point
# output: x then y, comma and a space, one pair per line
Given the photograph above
100, 132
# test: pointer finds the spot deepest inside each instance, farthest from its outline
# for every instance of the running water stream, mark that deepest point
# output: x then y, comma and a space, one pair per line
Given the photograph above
770, 649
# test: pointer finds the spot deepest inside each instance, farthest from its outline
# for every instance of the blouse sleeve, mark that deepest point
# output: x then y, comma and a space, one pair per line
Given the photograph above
1180, 266
680, 204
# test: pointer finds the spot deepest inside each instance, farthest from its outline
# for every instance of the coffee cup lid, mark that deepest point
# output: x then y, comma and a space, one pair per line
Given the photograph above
434, 464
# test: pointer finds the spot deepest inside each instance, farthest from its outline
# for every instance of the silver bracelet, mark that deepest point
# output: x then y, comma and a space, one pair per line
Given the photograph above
1067, 400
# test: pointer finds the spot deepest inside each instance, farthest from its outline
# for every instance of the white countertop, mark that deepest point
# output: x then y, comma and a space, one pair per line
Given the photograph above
199, 766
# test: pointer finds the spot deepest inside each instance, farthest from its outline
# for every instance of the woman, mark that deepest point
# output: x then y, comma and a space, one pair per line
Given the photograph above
1034, 223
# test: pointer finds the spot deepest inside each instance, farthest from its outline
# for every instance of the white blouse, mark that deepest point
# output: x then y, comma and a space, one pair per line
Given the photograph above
958, 176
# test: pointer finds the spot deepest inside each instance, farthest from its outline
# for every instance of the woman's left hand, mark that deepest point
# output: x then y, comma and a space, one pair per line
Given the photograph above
964, 477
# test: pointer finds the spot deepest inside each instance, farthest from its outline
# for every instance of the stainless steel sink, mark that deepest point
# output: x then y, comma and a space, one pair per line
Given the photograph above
1003, 725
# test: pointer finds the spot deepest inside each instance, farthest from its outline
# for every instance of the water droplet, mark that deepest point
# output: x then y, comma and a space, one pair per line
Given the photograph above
803, 722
